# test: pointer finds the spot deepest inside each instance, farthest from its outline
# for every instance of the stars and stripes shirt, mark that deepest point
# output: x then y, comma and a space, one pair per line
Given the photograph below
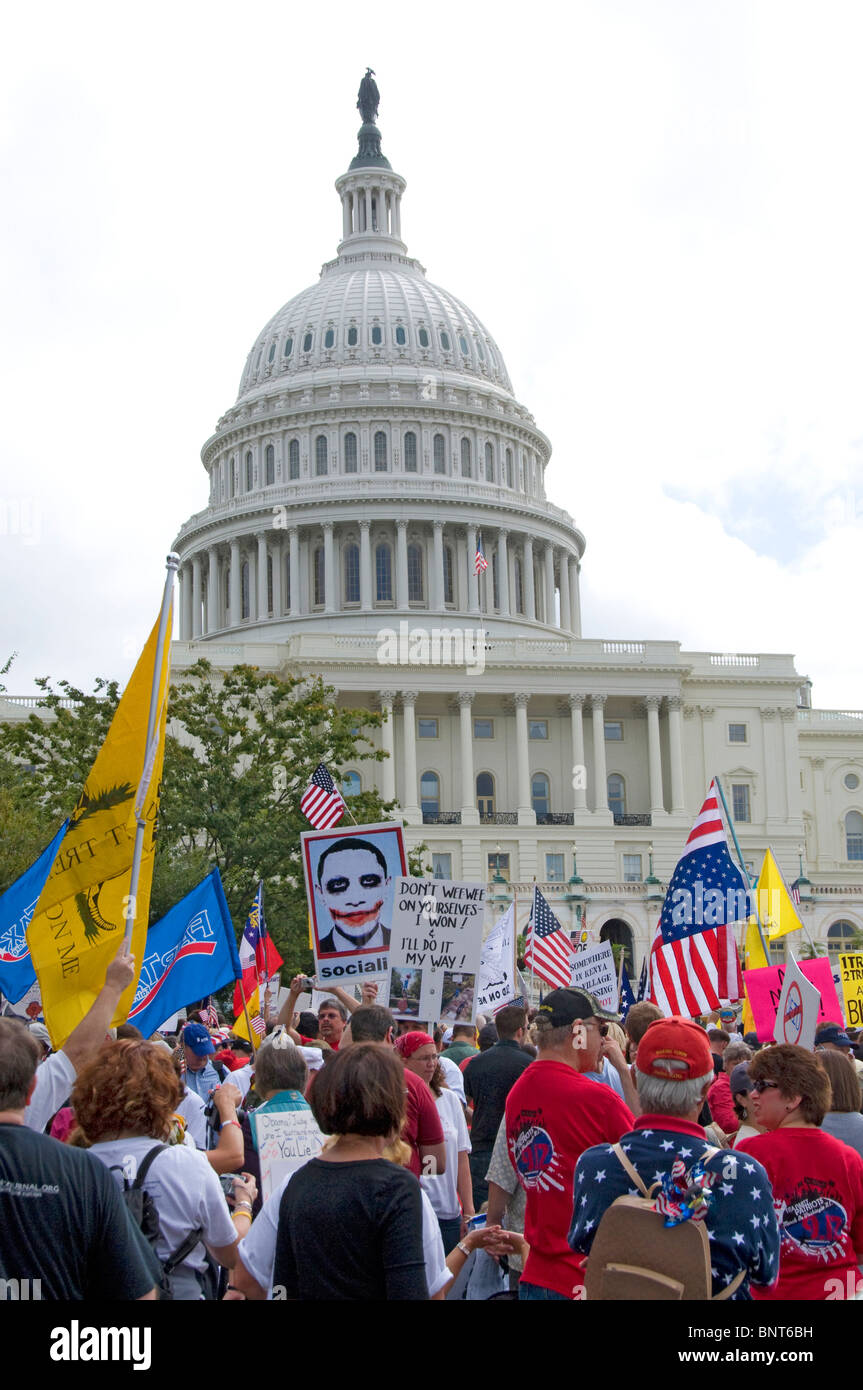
322, 803
741, 1221
548, 950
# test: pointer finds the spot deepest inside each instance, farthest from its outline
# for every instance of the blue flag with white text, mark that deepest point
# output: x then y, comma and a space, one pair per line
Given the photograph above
17, 906
189, 954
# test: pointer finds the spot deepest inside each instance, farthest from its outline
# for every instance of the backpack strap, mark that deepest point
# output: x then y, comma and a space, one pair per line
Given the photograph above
145, 1166
182, 1251
628, 1168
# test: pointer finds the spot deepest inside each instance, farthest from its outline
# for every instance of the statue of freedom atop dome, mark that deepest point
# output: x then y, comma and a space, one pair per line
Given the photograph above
368, 98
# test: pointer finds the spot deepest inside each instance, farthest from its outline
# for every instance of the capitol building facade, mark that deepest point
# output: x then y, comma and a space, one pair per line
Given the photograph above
375, 450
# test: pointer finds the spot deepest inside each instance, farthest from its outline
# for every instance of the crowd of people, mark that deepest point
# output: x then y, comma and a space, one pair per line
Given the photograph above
519, 1160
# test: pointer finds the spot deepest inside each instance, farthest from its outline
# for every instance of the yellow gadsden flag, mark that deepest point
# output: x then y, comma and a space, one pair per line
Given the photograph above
775, 908
79, 921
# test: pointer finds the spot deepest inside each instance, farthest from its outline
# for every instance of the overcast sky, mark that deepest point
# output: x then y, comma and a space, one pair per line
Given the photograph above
655, 208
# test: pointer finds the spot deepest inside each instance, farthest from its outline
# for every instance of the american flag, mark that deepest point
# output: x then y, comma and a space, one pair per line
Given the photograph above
208, 1014
627, 998
480, 562
322, 803
547, 950
693, 959
642, 982
795, 892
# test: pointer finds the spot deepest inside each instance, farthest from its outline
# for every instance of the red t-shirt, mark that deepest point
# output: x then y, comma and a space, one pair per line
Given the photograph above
817, 1186
552, 1115
422, 1121
722, 1105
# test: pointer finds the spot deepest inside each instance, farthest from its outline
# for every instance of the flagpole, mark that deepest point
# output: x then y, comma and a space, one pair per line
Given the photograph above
730, 823
172, 564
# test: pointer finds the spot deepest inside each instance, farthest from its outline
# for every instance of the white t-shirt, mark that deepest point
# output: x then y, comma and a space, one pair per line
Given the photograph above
453, 1076
442, 1192
257, 1249
187, 1194
55, 1078
192, 1109
241, 1078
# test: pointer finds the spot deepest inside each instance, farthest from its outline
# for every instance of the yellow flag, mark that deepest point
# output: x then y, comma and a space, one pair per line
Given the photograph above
754, 959
775, 908
79, 921
253, 1004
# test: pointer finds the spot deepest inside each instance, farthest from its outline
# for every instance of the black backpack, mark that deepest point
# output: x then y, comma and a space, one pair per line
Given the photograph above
143, 1212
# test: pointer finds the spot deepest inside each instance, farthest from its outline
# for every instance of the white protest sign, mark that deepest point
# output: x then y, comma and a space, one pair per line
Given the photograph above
497, 985
286, 1140
435, 949
594, 971
797, 1010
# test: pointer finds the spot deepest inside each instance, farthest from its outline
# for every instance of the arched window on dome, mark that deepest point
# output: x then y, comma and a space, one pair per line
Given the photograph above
250, 471
319, 589
377, 335
352, 336
350, 452
383, 573
289, 346
439, 449
616, 794
518, 572
330, 338
321, 456
854, 835
415, 574
401, 336
423, 337
380, 452
479, 349
410, 452
540, 795
465, 458
244, 589
307, 343
352, 573
430, 794
270, 465
272, 352
509, 474
485, 794
294, 459
444, 340
448, 575
462, 342
489, 464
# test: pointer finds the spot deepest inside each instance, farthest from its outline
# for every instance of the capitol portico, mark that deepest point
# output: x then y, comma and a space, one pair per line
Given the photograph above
376, 447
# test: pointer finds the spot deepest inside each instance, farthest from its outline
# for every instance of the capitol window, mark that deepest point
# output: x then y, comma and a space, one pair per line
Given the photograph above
272, 352
851, 781
401, 336
329, 338
270, 463
537, 728
294, 459
380, 452
554, 868
244, 589
321, 455
738, 733
442, 866
616, 788
479, 350
352, 573
483, 728
415, 574
462, 342
383, 574
519, 586
489, 464
842, 937
485, 798
249, 472
307, 343
465, 458
448, 572
350, 452
232, 474
854, 835
319, 581
539, 794
352, 337
439, 449
351, 784
632, 868
377, 335
410, 452
740, 808
613, 730
444, 340
424, 338
509, 478
289, 346
427, 728
430, 794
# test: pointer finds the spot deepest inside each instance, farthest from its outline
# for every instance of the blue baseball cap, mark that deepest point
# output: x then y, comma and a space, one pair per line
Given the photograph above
198, 1040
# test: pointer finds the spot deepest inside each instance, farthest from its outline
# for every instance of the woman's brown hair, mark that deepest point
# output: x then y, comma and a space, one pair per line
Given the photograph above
843, 1081
128, 1088
361, 1091
796, 1072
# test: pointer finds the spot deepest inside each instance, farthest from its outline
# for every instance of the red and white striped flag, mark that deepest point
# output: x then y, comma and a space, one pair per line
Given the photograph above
547, 949
322, 803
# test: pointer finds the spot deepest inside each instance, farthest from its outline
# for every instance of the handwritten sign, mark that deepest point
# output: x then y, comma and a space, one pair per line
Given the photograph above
765, 986
435, 949
286, 1140
593, 970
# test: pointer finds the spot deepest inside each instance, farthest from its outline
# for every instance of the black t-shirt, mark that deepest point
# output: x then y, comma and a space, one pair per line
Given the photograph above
64, 1222
488, 1080
351, 1232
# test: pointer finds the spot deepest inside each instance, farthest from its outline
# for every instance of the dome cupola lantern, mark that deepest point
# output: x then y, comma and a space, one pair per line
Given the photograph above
370, 191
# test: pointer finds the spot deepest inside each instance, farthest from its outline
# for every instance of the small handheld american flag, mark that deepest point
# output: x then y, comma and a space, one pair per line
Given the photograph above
547, 949
322, 803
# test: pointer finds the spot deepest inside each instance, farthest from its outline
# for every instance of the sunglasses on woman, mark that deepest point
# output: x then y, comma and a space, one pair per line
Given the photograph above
760, 1086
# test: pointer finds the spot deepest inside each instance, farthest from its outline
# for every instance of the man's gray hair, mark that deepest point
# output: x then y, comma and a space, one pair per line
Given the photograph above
663, 1097
279, 1067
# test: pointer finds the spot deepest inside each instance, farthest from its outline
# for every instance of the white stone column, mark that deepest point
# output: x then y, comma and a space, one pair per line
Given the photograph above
368, 203
579, 789
600, 775
252, 560
526, 813
263, 596
469, 812
675, 750
771, 737
824, 860
792, 763
365, 568
565, 596
346, 215
388, 744
278, 566
503, 571
196, 596
437, 590
549, 584
410, 804
401, 563
214, 615
294, 569
472, 587
529, 599
575, 597
236, 585
654, 755
329, 570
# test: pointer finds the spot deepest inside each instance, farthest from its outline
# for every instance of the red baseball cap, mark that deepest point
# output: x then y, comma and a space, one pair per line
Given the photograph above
674, 1049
